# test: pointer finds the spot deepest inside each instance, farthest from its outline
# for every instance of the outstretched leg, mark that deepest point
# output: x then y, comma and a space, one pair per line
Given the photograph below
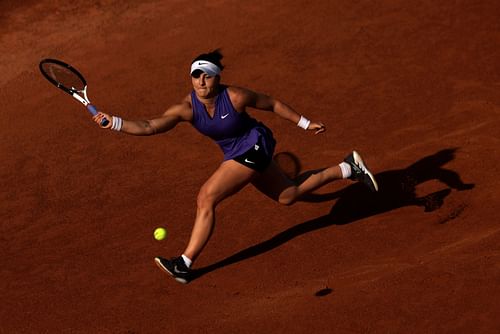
275, 184
227, 180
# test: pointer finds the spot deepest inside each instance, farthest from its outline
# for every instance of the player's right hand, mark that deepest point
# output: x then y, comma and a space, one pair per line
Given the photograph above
99, 117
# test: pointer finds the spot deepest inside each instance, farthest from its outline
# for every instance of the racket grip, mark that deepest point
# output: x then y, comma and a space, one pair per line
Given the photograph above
93, 110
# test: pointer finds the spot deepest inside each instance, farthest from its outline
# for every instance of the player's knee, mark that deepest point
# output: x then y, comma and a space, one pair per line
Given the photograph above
286, 201
205, 199
288, 197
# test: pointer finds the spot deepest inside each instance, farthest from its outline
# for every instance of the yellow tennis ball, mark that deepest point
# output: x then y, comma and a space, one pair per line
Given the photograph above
160, 233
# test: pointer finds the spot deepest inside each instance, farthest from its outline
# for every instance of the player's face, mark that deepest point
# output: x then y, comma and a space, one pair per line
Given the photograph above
205, 86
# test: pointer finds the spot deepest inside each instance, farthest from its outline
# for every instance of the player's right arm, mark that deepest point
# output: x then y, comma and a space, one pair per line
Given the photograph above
175, 114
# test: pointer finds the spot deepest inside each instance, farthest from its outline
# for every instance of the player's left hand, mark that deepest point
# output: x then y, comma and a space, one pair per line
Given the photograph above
318, 127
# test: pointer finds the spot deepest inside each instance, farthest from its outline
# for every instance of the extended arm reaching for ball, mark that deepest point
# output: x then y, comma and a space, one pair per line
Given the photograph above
175, 114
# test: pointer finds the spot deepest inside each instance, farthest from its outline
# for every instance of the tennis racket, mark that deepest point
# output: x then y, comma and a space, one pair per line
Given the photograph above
71, 81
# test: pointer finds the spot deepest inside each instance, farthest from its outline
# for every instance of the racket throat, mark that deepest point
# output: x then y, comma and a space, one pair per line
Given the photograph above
85, 101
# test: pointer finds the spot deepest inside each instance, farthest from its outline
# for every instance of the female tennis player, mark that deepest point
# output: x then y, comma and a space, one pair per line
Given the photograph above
219, 112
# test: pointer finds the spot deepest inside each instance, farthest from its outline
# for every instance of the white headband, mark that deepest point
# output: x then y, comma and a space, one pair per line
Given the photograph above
205, 66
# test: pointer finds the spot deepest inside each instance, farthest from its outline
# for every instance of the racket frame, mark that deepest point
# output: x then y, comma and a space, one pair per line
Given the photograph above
79, 95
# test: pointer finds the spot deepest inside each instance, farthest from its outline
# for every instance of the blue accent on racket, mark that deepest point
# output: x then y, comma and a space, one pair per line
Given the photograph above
93, 110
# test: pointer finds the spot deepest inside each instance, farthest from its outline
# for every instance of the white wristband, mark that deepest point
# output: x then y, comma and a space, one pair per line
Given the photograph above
116, 123
303, 123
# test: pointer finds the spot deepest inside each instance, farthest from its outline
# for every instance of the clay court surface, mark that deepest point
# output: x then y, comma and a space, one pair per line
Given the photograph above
412, 85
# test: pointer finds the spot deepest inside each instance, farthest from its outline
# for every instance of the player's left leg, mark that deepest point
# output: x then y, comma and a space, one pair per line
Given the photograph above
275, 184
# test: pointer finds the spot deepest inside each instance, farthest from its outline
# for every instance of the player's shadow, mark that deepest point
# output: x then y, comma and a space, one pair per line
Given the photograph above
397, 188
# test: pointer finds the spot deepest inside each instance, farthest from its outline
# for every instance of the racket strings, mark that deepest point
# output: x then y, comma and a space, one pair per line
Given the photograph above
63, 76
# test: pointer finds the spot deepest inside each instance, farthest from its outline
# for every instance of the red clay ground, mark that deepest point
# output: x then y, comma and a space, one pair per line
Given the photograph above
412, 85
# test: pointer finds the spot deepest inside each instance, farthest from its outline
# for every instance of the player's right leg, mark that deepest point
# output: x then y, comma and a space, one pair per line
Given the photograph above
228, 179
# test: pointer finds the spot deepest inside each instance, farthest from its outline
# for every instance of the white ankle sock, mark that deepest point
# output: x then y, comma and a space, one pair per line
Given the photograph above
187, 261
345, 168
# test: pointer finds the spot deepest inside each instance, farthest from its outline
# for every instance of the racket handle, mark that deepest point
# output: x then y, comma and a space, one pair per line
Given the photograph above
93, 110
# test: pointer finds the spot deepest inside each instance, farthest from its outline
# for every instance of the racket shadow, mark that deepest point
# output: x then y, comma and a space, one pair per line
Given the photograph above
355, 202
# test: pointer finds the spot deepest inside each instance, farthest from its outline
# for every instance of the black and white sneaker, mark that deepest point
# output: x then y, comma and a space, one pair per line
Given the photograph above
360, 172
176, 267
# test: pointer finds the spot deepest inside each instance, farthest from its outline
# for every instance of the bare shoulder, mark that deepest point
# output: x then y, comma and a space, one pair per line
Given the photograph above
187, 99
240, 97
238, 92
244, 97
182, 110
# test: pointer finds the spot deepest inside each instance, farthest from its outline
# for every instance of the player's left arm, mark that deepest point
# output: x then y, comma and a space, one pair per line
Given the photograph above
242, 98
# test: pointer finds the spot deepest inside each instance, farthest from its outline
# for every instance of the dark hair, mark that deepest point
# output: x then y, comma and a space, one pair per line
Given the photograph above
214, 57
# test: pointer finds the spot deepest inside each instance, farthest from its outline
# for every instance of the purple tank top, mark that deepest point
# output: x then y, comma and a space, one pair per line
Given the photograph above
234, 132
